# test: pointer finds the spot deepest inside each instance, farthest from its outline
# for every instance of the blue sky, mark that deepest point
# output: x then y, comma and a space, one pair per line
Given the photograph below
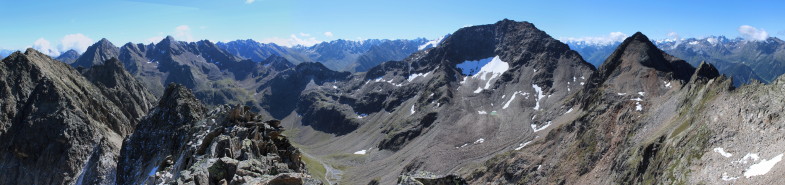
61, 25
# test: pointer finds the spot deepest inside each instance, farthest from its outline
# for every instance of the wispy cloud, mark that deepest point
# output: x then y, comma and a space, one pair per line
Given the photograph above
673, 36
77, 42
751, 33
183, 32
293, 40
606, 39
328, 34
44, 46
249, 1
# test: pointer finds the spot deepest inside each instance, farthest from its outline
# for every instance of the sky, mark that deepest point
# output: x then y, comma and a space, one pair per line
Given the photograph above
56, 26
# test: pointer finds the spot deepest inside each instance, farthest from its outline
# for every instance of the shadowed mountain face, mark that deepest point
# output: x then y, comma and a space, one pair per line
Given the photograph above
68, 57
675, 129
97, 53
59, 127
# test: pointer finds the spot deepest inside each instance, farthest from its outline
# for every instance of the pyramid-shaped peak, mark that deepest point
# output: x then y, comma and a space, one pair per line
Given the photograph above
104, 42
169, 38
705, 70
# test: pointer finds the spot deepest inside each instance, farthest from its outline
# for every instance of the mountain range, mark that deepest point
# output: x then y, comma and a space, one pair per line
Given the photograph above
744, 60
502, 103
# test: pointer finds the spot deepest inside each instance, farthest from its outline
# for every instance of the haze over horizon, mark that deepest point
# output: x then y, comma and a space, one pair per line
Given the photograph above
63, 25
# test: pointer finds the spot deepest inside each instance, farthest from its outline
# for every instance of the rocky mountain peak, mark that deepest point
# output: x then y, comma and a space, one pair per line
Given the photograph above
636, 56
705, 71
97, 53
179, 98
278, 63
169, 44
59, 126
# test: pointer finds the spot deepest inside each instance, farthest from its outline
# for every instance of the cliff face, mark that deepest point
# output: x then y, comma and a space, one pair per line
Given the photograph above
57, 127
180, 142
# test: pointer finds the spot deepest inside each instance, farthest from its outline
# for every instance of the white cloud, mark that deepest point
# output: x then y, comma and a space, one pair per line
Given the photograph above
328, 34
78, 42
607, 39
304, 34
673, 36
293, 40
249, 1
752, 33
45, 47
183, 33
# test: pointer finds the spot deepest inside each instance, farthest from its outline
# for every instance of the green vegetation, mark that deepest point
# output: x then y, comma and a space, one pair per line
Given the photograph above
315, 168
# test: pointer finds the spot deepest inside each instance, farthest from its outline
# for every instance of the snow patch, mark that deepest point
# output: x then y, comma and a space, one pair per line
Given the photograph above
414, 76
725, 177
534, 126
412, 110
520, 146
431, 44
667, 84
568, 111
641, 93
492, 67
361, 152
509, 101
481, 140
482, 112
762, 167
335, 87
749, 156
472, 67
722, 152
621, 94
539, 96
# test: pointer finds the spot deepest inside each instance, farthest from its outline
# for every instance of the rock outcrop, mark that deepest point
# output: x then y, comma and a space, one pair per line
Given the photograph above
180, 142
56, 126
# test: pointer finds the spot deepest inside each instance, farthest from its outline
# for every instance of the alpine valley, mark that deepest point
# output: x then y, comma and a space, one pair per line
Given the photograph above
501, 103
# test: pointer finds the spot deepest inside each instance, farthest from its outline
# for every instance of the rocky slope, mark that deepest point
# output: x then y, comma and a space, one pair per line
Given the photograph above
443, 108
56, 126
672, 130
181, 142
96, 54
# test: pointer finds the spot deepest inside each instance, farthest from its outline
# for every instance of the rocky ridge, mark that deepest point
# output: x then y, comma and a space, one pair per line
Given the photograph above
57, 126
180, 142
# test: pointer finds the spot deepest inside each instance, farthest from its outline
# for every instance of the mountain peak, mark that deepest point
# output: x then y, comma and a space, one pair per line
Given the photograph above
705, 71
639, 37
639, 50
97, 53
179, 98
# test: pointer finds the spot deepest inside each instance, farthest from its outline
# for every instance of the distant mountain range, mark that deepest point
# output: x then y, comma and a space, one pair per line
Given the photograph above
744, 60
501, 103
338, 55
